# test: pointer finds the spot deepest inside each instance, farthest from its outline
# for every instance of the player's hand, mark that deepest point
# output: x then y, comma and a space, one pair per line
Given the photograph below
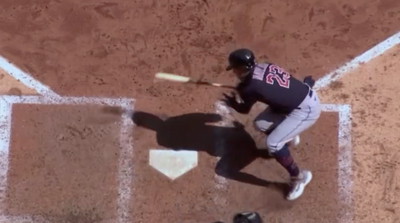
230, 100
234, 96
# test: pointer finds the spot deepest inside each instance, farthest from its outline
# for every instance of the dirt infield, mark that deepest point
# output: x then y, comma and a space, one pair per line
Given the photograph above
114, 48
10, 86
375, 139
66, 167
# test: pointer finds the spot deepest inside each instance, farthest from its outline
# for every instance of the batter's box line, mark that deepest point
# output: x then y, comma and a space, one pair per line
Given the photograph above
23, 219
125, 169
344, 160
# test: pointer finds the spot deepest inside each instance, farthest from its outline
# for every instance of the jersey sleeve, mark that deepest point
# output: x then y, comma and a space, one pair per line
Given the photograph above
249, 99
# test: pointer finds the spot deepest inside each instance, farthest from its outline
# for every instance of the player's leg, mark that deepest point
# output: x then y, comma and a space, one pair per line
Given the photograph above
289, 128
265, 122
268, 120
279, 148
295, 123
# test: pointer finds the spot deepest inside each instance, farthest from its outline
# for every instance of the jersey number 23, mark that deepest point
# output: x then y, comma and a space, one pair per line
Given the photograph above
278, 75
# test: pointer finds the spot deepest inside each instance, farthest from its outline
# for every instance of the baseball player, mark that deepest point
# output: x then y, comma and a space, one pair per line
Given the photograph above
292, 108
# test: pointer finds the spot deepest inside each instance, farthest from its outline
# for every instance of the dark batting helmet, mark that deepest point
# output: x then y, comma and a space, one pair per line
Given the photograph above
247, 217
241, 58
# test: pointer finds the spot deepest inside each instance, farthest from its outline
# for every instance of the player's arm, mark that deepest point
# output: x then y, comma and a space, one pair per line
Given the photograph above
246, 105
247, 100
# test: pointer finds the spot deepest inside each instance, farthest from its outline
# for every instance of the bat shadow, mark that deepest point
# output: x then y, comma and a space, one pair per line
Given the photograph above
197, 132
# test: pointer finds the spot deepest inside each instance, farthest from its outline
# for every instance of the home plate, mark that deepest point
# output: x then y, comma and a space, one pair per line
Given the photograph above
171, 163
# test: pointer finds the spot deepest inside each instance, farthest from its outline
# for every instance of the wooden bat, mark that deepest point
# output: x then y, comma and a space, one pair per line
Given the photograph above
183, 79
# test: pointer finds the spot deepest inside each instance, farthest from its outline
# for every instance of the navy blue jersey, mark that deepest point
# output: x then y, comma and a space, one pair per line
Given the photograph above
272, 85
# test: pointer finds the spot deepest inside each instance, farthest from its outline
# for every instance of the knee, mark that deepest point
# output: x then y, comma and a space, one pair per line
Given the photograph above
282, 153
262, 125
273, 144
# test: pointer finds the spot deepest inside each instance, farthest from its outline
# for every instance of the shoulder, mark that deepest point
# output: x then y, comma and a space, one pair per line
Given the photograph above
246, 84
251, 86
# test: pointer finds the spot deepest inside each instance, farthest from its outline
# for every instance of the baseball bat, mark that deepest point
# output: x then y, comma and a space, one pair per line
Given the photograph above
184, 79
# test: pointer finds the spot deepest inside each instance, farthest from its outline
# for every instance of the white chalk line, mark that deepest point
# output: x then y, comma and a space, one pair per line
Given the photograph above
25, 78
5, 129
125, 168
48, 96
33, 99
24, 219
344, 160
126, 150
367, 56
221, 183
345, 147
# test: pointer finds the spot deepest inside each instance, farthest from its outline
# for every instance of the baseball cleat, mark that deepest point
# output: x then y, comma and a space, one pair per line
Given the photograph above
298, 184
296, 141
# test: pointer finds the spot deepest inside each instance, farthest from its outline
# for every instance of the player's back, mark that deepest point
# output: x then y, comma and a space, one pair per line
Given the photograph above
277, 88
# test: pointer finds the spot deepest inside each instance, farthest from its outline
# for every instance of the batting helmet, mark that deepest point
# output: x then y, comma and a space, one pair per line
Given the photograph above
247, 217
241, 58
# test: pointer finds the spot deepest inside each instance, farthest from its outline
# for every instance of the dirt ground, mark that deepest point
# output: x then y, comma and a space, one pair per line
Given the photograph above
114, 48
66, 166
375, 140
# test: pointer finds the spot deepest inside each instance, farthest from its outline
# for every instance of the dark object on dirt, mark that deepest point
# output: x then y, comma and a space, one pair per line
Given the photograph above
247, 217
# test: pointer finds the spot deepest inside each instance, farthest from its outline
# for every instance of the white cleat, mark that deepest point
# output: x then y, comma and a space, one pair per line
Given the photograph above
296, 141
298, 184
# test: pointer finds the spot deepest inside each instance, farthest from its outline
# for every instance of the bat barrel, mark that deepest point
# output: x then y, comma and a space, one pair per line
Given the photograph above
172, 77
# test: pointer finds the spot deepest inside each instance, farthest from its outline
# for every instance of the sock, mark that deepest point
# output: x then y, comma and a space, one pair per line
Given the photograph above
289, 164
284, 158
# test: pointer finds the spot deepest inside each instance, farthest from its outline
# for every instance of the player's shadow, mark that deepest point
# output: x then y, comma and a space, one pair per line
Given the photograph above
197, 132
